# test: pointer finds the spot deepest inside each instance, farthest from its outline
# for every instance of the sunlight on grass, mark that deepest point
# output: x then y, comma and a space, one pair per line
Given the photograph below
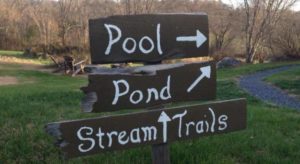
287, 80
4, 52
17, 57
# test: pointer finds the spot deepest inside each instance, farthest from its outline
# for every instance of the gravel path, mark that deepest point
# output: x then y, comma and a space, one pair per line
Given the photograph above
255, 86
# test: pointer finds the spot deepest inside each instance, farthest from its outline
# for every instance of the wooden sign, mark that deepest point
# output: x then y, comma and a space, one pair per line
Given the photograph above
148, 86
148, 38
91, 136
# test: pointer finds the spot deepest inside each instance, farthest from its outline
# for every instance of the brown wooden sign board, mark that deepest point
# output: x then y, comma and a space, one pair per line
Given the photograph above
148, 86
91, 136
148, 38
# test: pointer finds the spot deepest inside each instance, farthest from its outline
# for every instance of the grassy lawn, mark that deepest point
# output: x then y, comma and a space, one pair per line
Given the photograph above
17, 57
14, 53
288, 80
272, 135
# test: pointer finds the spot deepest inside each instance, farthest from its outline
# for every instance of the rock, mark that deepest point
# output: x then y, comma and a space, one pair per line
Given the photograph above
228, 62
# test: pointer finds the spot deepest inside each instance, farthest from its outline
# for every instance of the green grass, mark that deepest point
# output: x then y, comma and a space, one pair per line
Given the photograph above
247, 69
272, 135
17, 57
288, 80
14, 53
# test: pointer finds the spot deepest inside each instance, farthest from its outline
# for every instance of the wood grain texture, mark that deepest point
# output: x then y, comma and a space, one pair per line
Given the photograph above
96, 135
169, 80
160, 154
135, 27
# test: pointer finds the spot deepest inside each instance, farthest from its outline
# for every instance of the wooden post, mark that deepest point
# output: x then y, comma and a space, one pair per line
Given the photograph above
160, 154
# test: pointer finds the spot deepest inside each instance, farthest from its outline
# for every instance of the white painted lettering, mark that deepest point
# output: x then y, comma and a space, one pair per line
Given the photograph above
164, 119
165, 92
112, 40
180, 116
188, 127
207, 126
149, 133
115, 35
158, 39
100, 134
88, 131
139, 95
146, 38
122, 88
117, 90
152, 91
125, 47
110, 139
121, 137
135, 135
199, 127
212, 128
222, 121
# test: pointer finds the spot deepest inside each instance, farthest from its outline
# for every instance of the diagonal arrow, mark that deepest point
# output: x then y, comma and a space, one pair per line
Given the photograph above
205, 72
199, 38
164, 119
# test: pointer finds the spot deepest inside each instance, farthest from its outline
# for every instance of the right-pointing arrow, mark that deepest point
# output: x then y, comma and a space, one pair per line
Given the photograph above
164, 119
205, 72
199, 38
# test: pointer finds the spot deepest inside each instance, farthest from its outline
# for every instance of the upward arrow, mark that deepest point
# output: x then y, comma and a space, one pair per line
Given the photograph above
205, 72
199, 38
164, 119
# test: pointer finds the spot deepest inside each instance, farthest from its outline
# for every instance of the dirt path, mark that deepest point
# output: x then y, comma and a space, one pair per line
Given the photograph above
8, 80
27, 66
255, 86
12, 80
35, 67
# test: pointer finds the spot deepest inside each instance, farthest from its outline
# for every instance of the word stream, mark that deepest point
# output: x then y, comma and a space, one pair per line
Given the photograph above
150, 133
96, 135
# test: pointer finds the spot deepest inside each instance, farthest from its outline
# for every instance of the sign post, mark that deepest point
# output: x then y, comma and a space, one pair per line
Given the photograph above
160, 152
148, 39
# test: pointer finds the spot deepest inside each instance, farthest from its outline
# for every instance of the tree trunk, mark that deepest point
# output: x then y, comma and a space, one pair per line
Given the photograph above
248, 59
250, 53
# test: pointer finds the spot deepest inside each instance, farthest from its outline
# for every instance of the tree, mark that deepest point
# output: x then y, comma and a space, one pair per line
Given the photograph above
223, 20
65, 23
287, 38
138, 6
41, 13
261, 18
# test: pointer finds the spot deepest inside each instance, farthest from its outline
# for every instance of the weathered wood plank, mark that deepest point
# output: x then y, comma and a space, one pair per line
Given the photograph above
148, 38
144, 87
88, 101
142, 70
96, 135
